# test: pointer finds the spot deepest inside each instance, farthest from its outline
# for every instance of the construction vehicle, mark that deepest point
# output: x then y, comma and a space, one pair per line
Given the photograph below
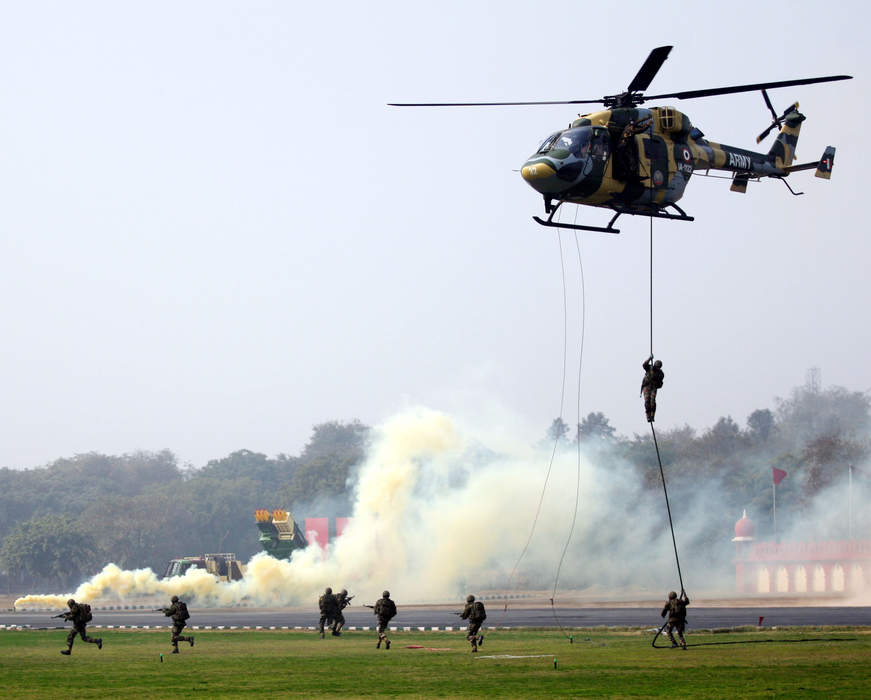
223, 566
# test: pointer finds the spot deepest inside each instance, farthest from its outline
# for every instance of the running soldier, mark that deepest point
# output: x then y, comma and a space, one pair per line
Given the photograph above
80, 615
474, 612
178, 611
385, 610
328, 607
343, 600
676, 607
653, 378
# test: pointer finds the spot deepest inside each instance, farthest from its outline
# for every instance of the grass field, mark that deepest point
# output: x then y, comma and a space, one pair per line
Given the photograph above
807, 663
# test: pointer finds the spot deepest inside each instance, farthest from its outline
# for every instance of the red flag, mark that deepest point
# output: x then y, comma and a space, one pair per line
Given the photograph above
778, 475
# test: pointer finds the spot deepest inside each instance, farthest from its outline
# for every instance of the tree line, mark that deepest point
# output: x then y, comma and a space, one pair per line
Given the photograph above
63, 522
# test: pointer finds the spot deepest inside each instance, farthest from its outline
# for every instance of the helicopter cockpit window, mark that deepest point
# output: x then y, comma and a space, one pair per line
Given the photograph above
599, 148
547, 144
575, 141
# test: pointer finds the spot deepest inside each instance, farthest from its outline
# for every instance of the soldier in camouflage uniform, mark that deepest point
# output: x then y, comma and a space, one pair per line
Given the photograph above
178, 611
475, 613
676, 607
328, 607
343, 600
385, 610
79, 614
652, 382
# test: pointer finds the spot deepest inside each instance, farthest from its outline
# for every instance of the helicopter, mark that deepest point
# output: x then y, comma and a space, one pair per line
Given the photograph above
638, 161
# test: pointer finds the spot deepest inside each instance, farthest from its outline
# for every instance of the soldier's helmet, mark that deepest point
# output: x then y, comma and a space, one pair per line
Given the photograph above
672, 595
344, 591
386, 594
174, 599
470, 599
328, 590
658, 364
71, 602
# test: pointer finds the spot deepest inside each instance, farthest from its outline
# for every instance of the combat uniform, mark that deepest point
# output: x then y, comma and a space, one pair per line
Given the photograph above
328, 607
342, 602
178, 611
79, 615
475, 613
676, 607
385, 610
653, 378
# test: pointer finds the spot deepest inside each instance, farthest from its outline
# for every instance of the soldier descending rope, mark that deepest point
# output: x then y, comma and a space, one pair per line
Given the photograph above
652, 382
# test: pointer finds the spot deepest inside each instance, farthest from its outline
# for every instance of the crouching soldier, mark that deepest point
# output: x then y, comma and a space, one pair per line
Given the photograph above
178, 611
80, 615
474, 612
676, 607
343, 600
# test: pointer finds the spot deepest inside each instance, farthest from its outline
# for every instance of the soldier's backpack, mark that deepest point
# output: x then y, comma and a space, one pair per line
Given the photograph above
182, 613
386, 608
85, 613
478, 612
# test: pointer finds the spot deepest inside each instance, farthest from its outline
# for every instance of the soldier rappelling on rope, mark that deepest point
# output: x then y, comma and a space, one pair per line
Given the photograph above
652, 382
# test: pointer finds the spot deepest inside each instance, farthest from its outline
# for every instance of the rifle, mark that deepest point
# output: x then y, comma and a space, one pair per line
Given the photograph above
368, 606
458, 614
160, 610
63, 615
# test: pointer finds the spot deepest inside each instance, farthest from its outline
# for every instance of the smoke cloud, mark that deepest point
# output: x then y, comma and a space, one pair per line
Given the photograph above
441, 510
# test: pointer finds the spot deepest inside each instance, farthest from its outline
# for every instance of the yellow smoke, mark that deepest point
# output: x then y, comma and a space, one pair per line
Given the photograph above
373, 544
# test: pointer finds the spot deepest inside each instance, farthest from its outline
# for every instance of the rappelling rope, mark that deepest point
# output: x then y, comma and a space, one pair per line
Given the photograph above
652, 430
557, 436
577, 441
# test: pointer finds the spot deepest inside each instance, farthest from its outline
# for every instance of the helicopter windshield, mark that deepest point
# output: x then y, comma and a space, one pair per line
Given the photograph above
547, 144
575, 141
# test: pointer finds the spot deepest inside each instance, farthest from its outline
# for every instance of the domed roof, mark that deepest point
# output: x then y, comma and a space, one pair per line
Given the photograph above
744, 527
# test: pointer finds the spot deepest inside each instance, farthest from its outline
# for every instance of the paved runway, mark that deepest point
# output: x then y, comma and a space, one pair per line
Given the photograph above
699, 617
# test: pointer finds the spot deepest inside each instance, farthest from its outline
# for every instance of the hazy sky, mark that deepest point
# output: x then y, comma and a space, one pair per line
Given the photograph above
214, 233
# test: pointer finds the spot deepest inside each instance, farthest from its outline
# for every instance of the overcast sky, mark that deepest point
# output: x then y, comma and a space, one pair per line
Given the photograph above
214, 233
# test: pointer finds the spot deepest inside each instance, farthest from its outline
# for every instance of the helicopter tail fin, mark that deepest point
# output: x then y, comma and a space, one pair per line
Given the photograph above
782, 153
824, 169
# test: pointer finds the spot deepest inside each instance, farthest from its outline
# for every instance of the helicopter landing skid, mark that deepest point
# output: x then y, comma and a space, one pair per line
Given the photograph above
656, 214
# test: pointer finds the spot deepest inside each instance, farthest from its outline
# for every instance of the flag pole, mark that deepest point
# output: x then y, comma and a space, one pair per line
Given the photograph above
774, 506
850, 504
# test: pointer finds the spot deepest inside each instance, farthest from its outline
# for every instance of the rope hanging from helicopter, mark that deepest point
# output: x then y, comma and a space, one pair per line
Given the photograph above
571, 532
650, 418
558, 435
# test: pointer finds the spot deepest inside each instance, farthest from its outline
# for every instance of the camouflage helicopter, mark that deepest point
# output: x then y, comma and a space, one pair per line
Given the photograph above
638, 161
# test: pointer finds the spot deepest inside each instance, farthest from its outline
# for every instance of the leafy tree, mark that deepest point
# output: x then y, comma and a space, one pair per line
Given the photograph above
760, 424
49, 549
595, 426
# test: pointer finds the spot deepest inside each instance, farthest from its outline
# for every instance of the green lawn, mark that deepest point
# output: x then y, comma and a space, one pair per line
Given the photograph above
825, 663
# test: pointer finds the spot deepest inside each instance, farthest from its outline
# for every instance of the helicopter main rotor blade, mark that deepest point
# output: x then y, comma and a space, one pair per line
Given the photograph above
490, 104
649, 69
690, 94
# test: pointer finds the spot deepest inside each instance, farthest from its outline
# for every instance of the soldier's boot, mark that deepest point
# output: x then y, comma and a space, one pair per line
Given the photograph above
66, 652
175, 650
673, 641
386, 643
481, 640
191, 640
683, 643
99, 641
378, 644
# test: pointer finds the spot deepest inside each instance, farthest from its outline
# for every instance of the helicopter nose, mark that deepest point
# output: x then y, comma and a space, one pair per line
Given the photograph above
542, 177
537, 172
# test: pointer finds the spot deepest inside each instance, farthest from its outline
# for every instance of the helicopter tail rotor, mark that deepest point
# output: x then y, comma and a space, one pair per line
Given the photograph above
777, 120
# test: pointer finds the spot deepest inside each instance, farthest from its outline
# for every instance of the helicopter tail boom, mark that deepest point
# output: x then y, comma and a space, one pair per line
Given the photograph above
823, 167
